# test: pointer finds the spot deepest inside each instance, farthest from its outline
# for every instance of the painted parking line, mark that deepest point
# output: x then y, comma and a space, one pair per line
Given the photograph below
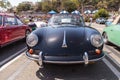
112, 68
112, 49
113, 55
13, 60
19, 70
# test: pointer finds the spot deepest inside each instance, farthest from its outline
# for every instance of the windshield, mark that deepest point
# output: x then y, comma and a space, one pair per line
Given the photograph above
62, 19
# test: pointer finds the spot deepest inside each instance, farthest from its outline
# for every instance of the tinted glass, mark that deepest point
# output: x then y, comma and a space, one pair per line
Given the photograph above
19, 22
10, 21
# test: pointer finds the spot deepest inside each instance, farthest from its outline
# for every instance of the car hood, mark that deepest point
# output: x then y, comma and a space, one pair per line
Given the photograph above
62, 40
72, 37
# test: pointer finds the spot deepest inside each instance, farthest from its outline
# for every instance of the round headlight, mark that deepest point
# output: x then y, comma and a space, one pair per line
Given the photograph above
96, 40
32, 40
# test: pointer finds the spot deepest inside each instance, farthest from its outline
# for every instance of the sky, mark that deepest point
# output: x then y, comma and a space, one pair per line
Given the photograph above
16, 2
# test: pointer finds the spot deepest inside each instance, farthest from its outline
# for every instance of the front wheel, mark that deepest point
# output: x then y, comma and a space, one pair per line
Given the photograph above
105, 38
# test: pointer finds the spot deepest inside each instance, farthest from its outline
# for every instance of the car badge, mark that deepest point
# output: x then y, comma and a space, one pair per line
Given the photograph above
64, 45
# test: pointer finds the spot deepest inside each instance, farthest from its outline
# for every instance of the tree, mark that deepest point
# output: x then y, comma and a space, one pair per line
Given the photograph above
38, 6
58, 5
101, 13
8, 5
46, 6
55, 6
2, 4
69, 6
94, 3
76, 2
102, 4
113, 4
5, 4
24, 7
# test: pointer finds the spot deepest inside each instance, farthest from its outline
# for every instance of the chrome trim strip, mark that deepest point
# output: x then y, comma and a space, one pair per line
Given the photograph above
64, 45
72, 62
36, 58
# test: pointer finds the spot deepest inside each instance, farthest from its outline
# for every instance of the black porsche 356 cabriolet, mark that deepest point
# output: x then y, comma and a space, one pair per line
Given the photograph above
66, 40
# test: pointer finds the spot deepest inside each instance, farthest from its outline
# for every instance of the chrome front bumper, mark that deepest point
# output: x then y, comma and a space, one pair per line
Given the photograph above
40, 59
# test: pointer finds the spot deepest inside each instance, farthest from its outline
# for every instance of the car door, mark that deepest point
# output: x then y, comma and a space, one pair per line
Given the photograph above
10, 28
1, 31
21, 28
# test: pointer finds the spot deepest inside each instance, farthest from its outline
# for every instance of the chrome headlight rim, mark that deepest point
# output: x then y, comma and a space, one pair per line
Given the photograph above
32, 40
96, 37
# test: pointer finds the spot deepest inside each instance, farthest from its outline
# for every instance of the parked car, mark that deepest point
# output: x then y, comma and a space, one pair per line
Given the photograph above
87, 12
11, 29
113, 21
94, 11
101, 20
108, 22
66, 40
111, 34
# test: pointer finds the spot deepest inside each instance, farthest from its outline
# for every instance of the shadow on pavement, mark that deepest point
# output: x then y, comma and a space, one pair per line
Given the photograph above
95, 71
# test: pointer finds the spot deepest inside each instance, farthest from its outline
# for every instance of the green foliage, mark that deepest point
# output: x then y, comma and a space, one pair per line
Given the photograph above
69, 6
102, 4
24, 7
76, 2
46, 7
5, 4
101, 13
55, 5
38, 7
87, 19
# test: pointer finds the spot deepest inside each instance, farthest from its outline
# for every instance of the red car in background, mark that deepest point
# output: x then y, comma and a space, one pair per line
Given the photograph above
11, 29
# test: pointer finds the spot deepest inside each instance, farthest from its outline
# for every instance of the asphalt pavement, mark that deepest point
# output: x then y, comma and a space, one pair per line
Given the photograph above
25, 69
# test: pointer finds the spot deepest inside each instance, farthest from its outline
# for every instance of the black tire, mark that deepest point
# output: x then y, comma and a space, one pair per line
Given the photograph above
26, 34
105, 38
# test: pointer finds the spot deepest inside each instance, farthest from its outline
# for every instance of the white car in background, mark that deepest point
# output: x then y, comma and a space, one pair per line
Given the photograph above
40, 24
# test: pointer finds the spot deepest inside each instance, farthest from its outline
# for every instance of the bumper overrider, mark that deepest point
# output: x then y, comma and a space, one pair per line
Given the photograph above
40, 59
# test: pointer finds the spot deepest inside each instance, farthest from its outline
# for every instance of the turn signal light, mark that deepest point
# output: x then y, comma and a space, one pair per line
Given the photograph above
98, 51
31, 51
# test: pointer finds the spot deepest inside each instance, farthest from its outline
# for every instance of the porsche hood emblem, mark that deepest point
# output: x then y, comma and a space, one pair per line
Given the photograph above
64, 45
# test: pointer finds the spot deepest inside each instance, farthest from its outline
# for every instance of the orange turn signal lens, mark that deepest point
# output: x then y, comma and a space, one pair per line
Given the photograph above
98, 51
31, 51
